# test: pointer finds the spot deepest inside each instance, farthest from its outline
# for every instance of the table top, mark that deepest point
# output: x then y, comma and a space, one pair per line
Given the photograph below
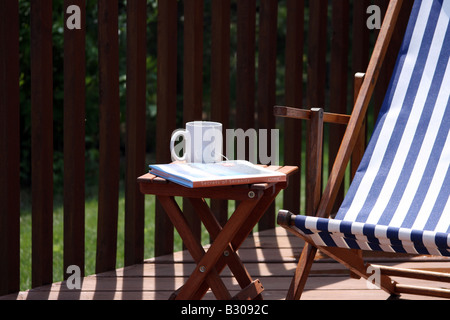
151, 184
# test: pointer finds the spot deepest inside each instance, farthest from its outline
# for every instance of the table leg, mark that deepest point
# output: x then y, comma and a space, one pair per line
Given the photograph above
230, 256
210, 259
267, 198
235, 264
194, 247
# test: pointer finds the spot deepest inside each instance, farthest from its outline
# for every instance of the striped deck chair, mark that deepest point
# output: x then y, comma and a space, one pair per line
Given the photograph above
398, 200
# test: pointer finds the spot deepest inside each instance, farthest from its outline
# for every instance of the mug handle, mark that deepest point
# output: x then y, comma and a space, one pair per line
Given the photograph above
174, 138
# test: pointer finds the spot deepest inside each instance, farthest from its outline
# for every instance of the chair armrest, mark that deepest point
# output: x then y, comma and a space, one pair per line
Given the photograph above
295, 113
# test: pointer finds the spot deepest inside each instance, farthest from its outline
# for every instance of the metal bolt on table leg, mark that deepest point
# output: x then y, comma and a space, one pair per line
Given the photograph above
251, 194
202, 269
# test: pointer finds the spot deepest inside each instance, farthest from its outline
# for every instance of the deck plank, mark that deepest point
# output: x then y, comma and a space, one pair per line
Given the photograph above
269, 256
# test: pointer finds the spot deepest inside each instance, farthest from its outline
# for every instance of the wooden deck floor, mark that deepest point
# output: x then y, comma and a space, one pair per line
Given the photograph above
269, 256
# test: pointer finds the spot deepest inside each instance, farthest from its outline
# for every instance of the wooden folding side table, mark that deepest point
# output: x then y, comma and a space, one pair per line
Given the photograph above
253, 199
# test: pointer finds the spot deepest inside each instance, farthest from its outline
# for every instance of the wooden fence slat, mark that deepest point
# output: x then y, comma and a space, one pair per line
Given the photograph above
193, 83
338, 80
135, 144
42, 142
383, 79
360, 37
108, 194
266, 93
315, 150
166, 104
267, 64
317, 40
220, 80
245, 71
74, 140
193, 61
360, 147
360, 41
220, 61
9, 148
294, 98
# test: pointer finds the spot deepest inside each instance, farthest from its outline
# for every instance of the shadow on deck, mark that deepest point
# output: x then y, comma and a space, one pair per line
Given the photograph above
269, 256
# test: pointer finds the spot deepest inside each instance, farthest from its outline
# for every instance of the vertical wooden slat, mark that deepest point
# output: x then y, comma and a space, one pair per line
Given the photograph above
360, 37
245, 68
108, 197
166, 104
266, 94
245, 73
358, 151
338, 79
220, 80
294, 98
193, 82
42, 142
315, 150
220, 61
9, 148
317, 53
385, 73
193, 60
317, 40
135, 144
74, 139
360, 146
360, 40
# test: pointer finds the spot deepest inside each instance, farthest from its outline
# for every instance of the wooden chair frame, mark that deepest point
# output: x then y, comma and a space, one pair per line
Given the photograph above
352, 147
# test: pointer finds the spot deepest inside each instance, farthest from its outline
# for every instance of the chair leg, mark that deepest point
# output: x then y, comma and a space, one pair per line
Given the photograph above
355, 264
301, 273
359, 253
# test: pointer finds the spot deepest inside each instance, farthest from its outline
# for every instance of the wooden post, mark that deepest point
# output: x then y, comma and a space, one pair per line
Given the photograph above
294, 98
360, 146
42, 142
266, 93
358, 151
245, 81
317, 39
108, 197
316, 66
74, 140
220, 81
338, 81
314, 170
135, 147
193, 82
166, 105
9, 148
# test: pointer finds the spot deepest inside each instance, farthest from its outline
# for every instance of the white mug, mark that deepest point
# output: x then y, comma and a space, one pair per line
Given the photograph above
203, 142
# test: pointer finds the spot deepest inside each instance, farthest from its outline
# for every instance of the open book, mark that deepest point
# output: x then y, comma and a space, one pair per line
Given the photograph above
196, 175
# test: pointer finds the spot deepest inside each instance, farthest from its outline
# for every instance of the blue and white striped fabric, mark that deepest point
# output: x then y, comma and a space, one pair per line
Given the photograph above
399, 199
